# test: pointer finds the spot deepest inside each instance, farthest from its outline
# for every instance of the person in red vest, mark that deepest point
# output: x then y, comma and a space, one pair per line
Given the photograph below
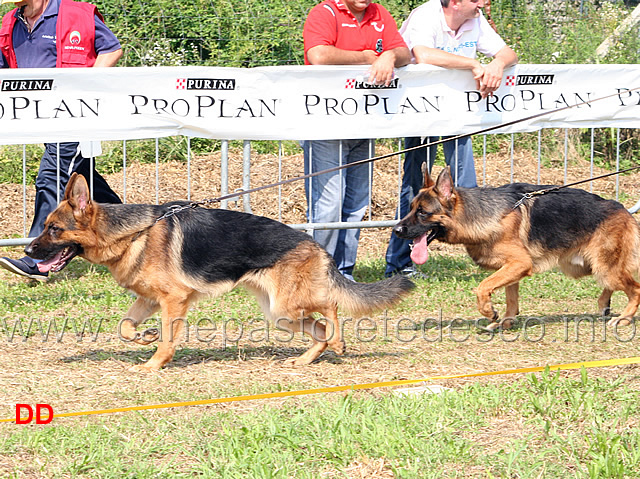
56, 34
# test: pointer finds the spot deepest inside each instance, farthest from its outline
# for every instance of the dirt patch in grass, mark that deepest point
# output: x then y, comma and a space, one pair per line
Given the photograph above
364, 362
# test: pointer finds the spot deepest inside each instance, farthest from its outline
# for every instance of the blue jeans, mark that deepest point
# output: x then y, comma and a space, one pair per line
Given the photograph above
339, 196
462, 170
46, 182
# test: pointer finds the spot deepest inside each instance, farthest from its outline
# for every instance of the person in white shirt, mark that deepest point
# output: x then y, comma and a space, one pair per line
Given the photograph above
448, 34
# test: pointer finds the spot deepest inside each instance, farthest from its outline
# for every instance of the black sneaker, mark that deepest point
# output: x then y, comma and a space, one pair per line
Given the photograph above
26, 267
409, 272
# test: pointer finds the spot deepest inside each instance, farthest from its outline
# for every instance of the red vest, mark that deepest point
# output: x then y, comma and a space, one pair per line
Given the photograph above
75, 35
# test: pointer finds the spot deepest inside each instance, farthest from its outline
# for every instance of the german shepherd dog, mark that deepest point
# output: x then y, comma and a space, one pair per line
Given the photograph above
578, 232
171, 263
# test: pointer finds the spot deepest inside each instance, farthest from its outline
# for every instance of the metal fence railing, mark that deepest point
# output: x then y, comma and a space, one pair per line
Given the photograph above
239, 167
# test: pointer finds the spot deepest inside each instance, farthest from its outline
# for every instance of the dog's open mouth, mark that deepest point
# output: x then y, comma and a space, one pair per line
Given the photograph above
58, 261
420, 246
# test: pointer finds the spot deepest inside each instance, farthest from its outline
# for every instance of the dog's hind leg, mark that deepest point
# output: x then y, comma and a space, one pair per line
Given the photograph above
139, 311
632, 290
604, 302
333, 330
614, 253
617, 277
317, 331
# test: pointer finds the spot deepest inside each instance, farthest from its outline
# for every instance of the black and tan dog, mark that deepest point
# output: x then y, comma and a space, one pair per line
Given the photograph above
576, 231
169, 264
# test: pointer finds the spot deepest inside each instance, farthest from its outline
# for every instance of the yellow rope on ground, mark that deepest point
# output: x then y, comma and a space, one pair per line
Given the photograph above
353, 387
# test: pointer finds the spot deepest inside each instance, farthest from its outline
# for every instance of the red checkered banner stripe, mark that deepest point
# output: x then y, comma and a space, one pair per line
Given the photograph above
310, 102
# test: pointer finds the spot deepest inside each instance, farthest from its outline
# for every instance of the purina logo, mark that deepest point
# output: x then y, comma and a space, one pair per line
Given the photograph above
205, 84
358, 84
26, 85
513, 80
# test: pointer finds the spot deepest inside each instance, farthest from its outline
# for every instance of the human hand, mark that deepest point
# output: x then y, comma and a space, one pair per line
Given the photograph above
381, 71
488, 77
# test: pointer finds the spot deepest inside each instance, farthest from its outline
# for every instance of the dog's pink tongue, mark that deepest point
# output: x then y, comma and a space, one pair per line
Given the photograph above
420, 251
47, 265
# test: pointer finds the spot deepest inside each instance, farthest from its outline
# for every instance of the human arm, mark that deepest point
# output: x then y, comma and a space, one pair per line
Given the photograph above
108, 59
488, 77
440, 58
381, 71
107, 47
332, 55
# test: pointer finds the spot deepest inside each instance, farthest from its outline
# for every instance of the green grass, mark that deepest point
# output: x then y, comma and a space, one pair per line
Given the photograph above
583, 428
86, 294
550, 425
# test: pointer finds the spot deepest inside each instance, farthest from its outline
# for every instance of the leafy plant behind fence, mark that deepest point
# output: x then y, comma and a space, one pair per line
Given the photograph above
247, 33
235, 33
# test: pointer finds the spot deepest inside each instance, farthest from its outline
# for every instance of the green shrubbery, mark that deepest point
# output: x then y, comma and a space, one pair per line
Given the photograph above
239, 33
246, 33
564, 32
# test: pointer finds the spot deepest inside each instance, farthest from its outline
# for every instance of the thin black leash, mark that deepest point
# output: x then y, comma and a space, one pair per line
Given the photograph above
174, 209
528, 196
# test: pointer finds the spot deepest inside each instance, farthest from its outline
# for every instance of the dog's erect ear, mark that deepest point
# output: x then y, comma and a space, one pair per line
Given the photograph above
77, 192
428, 182
444, 184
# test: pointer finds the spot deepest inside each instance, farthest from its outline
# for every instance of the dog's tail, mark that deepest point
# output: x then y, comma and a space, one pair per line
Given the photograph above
361, 299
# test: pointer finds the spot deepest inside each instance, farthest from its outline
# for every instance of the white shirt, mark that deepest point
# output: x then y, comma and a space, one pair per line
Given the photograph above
426, 26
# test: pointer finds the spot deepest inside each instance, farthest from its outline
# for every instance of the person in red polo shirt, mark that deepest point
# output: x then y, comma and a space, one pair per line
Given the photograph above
346, 32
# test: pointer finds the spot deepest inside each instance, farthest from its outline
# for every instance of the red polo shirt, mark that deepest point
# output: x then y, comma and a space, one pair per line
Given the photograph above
331, 23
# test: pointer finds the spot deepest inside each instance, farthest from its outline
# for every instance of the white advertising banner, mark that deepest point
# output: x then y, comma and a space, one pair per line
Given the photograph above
305, 102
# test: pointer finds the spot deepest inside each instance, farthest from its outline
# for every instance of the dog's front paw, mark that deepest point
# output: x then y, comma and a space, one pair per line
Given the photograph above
491, 327
290, 362
299, 361
489, 312
150, 335
505, 324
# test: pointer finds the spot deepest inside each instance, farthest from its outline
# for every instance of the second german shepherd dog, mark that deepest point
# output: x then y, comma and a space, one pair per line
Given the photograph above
576, 231
169, 264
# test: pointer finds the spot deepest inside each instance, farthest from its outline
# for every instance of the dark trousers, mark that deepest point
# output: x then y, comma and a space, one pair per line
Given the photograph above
398, 254
70, 160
